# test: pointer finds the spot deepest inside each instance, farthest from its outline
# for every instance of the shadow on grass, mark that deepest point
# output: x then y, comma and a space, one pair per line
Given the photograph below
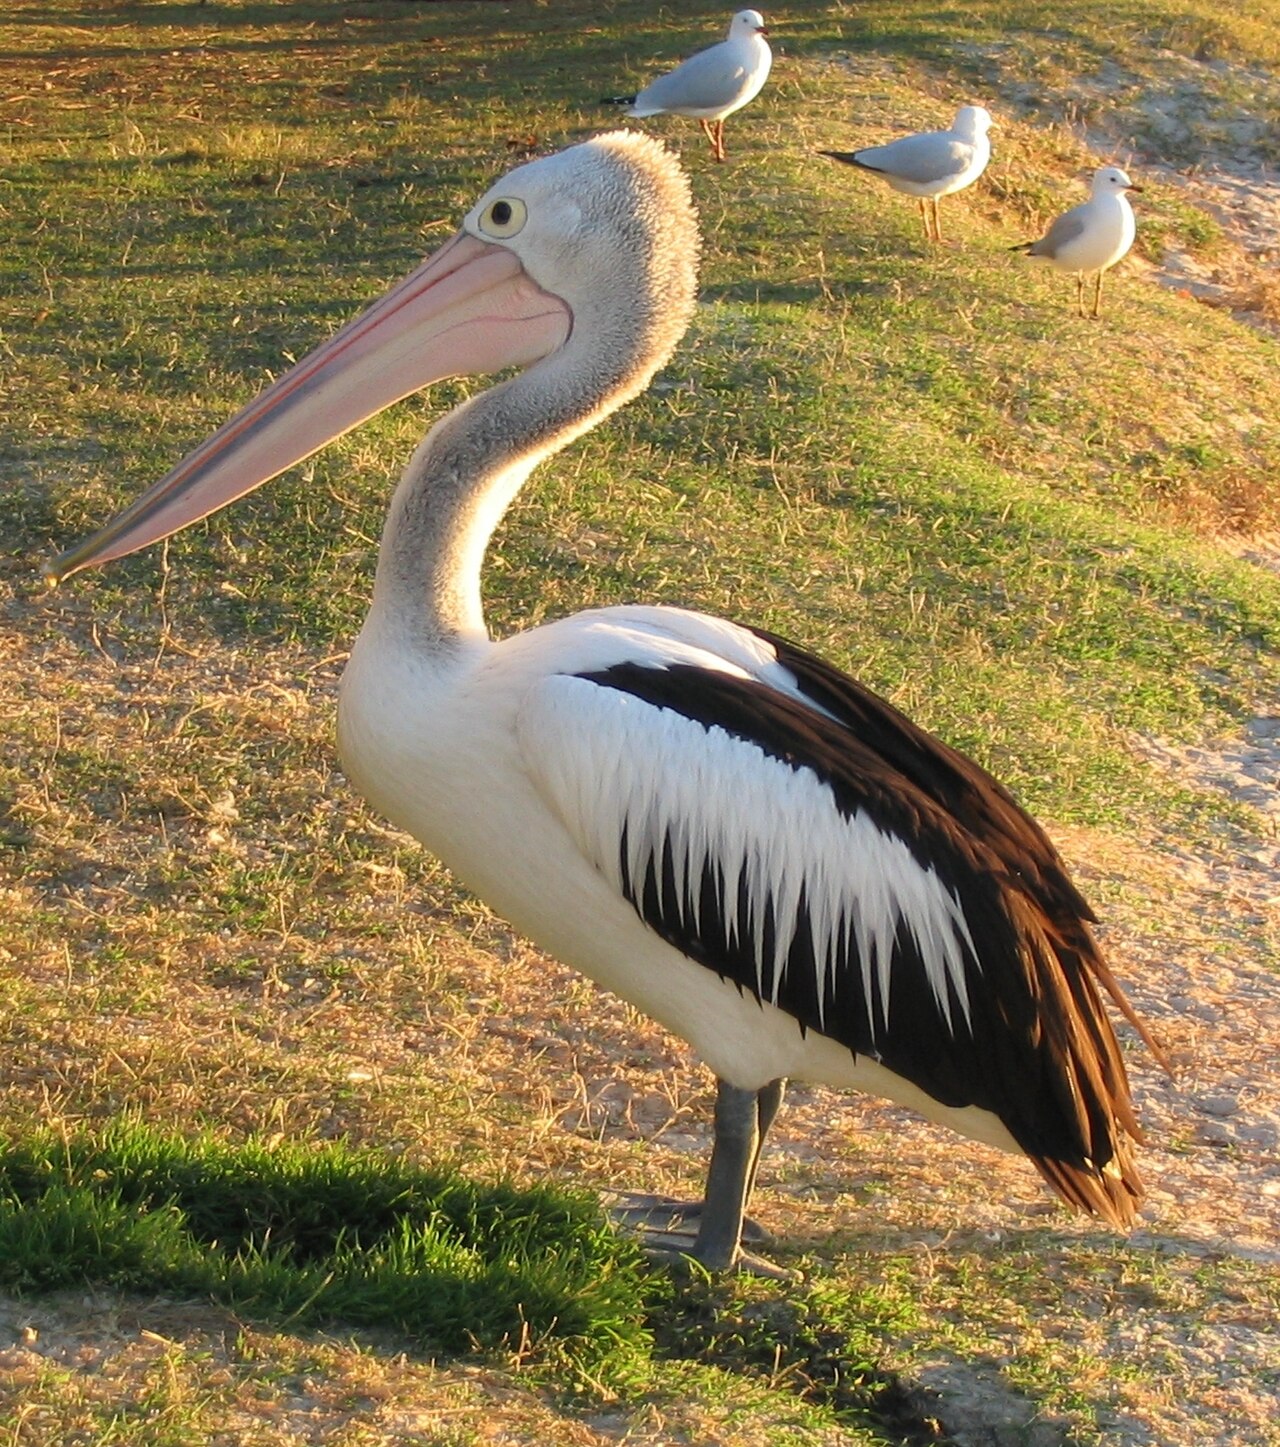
317, 1234
326, 1236
794, 1344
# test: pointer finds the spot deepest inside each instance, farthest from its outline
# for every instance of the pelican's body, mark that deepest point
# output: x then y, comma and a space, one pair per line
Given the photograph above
524, 721
1090, 238
711, 84
725, 831
930, 164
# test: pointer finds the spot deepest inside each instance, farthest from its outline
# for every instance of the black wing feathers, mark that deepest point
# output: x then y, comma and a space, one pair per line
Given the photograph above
1037, 1049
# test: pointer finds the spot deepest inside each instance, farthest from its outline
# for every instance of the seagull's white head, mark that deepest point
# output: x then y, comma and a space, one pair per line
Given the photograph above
747, 23
1111, 180
973, 121
586, 259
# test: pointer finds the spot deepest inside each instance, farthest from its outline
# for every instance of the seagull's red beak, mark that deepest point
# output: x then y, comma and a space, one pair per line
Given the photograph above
470, 308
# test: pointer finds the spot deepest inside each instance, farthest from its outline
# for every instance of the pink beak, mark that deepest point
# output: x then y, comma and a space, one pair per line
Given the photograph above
470, 308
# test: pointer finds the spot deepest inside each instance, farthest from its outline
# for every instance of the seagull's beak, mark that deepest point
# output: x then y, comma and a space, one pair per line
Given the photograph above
469, 308
1132, 187
762, 30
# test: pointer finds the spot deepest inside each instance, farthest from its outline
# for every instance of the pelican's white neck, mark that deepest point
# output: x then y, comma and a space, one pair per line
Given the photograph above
460, 482
620, 261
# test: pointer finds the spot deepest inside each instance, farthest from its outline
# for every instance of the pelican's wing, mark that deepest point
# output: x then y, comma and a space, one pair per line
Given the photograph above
924, 159
1064, 230
768, 839
1023, 854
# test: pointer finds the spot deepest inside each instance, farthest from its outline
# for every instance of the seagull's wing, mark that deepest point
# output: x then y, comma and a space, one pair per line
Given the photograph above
712, 78
1064, 230
925, 159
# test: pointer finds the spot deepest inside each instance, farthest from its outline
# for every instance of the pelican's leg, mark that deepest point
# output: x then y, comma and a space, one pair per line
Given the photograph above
736, 1148
768, 1103
742, 1118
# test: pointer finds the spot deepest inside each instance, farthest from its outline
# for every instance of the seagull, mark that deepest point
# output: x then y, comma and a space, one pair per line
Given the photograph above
714, 824
1093, 236
711, 84
931, 163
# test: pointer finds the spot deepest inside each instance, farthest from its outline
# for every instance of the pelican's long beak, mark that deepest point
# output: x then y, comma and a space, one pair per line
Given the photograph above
470, 308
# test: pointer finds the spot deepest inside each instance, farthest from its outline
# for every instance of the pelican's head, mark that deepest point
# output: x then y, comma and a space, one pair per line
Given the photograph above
597, 244
972, 121
609, 229
1111, 180
747, 23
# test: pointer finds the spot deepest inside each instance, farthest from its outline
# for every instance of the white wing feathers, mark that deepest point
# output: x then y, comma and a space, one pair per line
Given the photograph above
706, 81
646, 792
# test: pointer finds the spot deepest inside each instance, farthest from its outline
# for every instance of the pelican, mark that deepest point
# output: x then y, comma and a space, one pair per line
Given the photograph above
930, 164
1091, 237
715, 825
712, 83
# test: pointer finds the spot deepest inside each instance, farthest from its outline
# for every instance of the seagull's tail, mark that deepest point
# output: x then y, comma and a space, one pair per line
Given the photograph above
617, 100
849, 158
1023, 246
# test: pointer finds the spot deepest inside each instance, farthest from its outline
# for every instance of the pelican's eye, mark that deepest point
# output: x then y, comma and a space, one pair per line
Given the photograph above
503, 218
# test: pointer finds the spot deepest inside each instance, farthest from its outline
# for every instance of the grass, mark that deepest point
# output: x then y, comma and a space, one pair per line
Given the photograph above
323, 1235
916, 461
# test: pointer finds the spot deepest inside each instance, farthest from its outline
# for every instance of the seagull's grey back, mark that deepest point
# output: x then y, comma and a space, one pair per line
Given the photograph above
1064, 230
923, 159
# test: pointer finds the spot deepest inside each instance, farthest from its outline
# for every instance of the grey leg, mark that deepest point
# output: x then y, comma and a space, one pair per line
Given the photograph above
741, 1120
768, 1103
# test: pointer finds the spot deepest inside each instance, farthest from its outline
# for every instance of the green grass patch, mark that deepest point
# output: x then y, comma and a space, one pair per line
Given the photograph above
323, 1234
